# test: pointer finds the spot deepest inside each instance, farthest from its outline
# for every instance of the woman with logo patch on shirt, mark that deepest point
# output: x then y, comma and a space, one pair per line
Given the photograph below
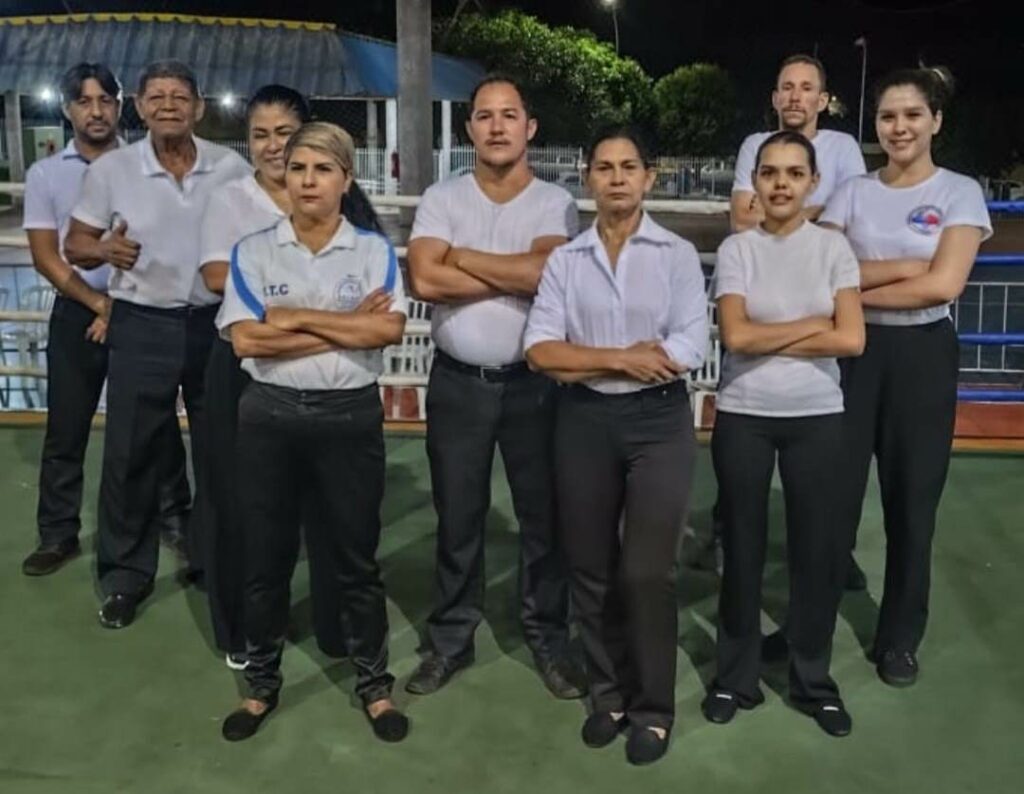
309, 304
787, 307
915, 228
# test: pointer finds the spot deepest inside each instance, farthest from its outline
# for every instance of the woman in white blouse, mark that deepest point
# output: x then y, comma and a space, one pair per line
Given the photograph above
620, 317
915, 228
788, 305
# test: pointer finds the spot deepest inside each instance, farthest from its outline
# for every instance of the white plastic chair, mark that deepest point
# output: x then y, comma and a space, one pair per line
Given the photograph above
29, 339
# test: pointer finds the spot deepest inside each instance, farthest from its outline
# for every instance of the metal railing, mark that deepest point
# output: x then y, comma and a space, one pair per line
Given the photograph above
988, 317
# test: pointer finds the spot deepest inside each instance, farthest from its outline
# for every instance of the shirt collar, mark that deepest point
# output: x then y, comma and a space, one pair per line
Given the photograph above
151, 165
345, 237
70, 152
648, 231
259, 196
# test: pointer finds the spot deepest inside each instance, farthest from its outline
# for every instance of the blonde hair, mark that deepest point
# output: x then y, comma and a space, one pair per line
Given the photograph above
326, 138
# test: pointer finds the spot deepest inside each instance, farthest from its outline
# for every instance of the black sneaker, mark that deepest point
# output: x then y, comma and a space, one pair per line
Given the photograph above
49, 558
897, 668
856, 579
434, 672
563, 678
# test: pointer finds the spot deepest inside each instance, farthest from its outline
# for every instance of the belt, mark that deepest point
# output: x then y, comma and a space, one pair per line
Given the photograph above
672, 390
500, 374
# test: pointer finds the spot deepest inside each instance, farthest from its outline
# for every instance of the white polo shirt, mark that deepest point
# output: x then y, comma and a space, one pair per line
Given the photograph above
52, 186
883, 222
163, 216
838, 155
489, 332
272, 268
656, 291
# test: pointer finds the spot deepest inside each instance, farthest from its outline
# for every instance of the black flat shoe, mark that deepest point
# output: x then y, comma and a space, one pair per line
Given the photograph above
601, 728
389, 726
833, 718
719, 706
49, 558
241, 723
118, 609
645, 746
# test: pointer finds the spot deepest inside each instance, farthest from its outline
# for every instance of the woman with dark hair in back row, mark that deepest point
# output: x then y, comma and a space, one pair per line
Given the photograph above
236, 210
915, 228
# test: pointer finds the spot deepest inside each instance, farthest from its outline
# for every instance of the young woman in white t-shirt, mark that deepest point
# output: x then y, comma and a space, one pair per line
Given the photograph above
788, 305
915, 228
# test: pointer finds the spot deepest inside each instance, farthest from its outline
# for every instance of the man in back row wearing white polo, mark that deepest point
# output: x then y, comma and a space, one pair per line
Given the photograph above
799, 97
477, 250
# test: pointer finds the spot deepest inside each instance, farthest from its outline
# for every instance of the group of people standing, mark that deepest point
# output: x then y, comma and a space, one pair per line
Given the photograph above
567, 352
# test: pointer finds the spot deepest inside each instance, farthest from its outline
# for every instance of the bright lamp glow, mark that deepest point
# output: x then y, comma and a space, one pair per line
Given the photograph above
227, 101
46, 94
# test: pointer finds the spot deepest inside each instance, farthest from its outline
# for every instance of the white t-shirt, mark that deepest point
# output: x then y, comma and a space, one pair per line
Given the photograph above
164, 217
51, 190
235, 210
783, 279
489, 333
838, 155
883, 222
272, 268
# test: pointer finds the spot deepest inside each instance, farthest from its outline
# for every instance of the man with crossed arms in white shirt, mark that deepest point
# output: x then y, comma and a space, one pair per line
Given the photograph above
477, 251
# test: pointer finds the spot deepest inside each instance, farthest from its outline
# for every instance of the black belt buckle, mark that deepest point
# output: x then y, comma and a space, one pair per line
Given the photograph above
493, 374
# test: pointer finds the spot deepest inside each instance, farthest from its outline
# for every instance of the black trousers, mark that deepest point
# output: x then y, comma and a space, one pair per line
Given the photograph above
76, 369
317, 456
626, 454
224, 529
901, 408
467, 417
153, 352
744, 449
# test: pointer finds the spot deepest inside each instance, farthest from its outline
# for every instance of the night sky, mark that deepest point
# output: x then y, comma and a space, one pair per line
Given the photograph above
982, 41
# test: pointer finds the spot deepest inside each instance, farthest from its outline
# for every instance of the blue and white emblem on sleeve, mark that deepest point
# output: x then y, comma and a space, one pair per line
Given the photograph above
348, 293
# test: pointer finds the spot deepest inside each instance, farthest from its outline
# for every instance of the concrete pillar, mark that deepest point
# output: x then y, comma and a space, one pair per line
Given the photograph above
415, 117
12, 133
390, 144
372, 132
444, 165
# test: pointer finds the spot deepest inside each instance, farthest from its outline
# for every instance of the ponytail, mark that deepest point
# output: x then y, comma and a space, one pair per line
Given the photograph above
359, 211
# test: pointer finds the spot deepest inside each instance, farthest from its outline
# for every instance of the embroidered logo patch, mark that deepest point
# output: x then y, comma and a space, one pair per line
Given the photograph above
348, 294
926, 220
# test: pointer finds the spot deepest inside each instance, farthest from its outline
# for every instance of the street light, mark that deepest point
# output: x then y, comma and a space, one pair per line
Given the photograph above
46, 95
227, 101
613, 5
862, 42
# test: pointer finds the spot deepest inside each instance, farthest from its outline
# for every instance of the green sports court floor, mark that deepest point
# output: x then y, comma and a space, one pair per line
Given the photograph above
86, 710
